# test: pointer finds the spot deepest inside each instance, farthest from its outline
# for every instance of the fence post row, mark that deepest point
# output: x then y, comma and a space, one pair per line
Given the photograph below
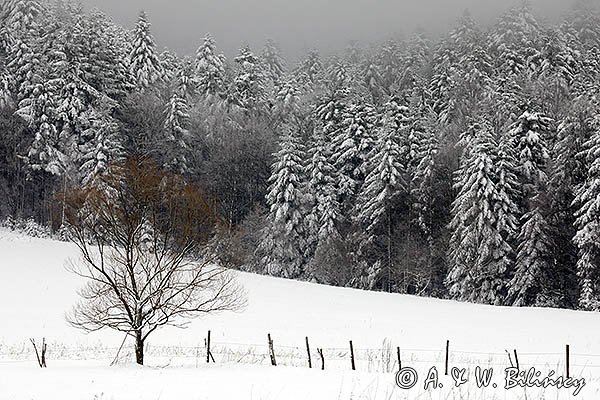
41, 355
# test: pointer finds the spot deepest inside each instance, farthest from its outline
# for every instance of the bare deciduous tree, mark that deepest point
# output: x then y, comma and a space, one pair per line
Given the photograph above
140, 230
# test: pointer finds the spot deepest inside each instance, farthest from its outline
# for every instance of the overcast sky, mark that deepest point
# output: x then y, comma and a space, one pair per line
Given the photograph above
301, 24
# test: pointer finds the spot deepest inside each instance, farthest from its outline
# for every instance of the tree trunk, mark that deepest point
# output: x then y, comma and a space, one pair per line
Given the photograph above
139, 348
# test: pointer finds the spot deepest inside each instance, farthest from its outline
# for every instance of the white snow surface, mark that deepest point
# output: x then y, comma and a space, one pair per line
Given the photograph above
36, 290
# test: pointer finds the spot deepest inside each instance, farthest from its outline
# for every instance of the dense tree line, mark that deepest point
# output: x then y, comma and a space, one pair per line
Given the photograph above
465, 167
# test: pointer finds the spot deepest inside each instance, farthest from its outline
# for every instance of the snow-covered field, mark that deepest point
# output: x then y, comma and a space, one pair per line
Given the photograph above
36, 290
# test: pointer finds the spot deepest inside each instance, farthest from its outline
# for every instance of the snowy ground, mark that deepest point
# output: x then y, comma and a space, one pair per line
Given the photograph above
36, 290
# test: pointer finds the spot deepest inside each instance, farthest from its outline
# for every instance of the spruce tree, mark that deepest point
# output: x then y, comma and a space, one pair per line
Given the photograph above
309, 71
534, 262
287, 104
210, 70
587, 202
106, 55
5, 92
283, 248
480, 256
176, 134
248, 90
325, 216
145, 66
529, 135
423, 180
273, 61
104, 145
20, 16
374, 82
378, 200
353, 143
514, 40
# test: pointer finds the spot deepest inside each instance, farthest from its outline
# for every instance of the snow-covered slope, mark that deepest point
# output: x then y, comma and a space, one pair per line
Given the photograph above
36, 290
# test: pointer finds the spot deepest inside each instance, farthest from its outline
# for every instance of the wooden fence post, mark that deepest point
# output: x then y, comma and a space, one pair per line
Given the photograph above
352, 356
320, 351
271, 350
308, 352
41, 355
447, 354
568, 360
208, 348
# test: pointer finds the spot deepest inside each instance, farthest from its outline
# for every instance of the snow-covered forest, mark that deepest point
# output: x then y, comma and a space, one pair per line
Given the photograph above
465, 166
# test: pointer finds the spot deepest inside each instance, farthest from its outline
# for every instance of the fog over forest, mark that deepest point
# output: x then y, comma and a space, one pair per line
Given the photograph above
300, 25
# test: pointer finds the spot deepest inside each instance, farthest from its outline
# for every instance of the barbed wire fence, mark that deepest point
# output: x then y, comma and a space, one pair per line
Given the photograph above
386, 358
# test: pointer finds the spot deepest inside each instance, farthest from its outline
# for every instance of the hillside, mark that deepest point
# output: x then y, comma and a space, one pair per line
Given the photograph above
36, 290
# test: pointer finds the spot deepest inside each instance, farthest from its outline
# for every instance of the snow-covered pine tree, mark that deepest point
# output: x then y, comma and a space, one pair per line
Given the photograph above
388, 61
567, 170
372, 80
283, 248
185, 81
587, 238
248, 90
338, 76
534, 262
509, 190
330, 111
473, 66
354, 53
479, 256
568, 161
353, 143
325, 217
378, 200
106, 66
555, 67
461, 71
20, 16
176, 134
210, 70
423, 184
75, 100
271, 57
415, 59
288, 102
529, 137
403, 120
32, 91
309, 70
417, 53
104, 146
144, 64
39, 111
5, 93
170, 65
25, 66
514, 40
585, 20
